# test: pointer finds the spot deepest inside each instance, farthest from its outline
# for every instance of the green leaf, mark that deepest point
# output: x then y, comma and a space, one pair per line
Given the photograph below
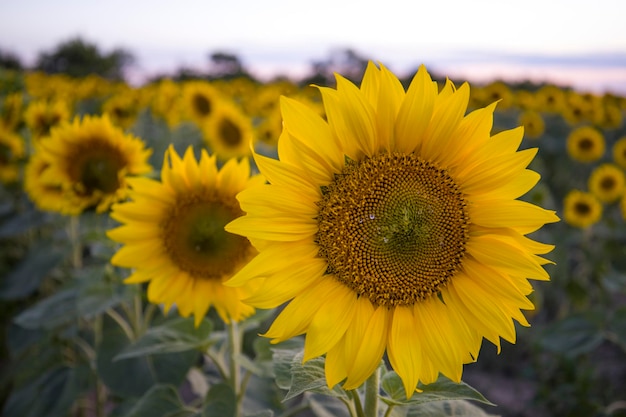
309, 377
55, 392
454, 408
175, 335
56, 310
220, 401
327, 407
441, 390
134, 376
264, 413
159, 401
574, 335
22, 222
98, 292
27, 275
617, 327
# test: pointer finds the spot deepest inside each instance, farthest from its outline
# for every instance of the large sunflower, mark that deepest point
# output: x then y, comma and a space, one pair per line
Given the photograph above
394, 227
90, 160
173, 235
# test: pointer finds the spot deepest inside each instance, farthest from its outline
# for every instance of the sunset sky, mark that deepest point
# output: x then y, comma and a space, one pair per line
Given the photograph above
571, 42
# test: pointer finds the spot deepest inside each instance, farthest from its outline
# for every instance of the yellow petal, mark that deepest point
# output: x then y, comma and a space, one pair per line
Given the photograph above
373, 343
330, 321
404, 348
415, 112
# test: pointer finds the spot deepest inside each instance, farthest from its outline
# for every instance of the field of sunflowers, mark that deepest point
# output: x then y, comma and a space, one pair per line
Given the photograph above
114, 253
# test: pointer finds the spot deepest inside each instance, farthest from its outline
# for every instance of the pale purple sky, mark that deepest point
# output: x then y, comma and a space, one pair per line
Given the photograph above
573, 42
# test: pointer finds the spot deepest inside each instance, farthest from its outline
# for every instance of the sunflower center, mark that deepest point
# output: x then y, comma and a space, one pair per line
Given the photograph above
201, 104
96, 168
608, 183
230, 133
195, 239
583, 209
393, 228
585, 144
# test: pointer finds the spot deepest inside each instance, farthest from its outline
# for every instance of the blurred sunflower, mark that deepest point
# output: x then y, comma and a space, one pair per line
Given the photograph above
585, 144
550, 98
122, 108
533, 123
199, 99
581, 209
11, 111
607, 183
43, 115
499, 91
46, 196
12, 149
229, 131
174, 238
619, 152
90, 160
393, 227
613, 118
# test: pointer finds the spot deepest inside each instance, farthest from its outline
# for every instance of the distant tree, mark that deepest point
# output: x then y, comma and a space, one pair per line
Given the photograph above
78, 58
226, 65
346, 62
10, 61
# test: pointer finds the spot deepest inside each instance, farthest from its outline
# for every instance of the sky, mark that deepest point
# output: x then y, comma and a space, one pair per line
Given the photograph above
568, 42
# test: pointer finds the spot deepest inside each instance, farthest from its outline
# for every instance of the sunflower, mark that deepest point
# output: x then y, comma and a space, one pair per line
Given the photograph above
619, 152
90, 160
43, 115
122, 108
199, 99
173, 235
585, 144
11, 150
393, 227
229, 131
533, 123
11, 111
607, 183
550, 98
46, 196
581, 209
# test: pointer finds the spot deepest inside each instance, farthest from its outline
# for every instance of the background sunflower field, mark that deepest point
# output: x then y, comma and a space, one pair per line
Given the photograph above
77, 341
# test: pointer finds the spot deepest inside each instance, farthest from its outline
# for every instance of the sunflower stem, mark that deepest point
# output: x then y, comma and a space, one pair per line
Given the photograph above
77, 247
234, 347
371, 394
357, 403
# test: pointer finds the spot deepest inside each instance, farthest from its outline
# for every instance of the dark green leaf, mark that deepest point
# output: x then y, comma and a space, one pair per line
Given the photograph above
56, 310
264, 413
97, 292
618, 327
134, 376
573, 336
440, 390
52, 394
158, 401
454, 408
220, 401
22, 222
175, 335
27, 275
